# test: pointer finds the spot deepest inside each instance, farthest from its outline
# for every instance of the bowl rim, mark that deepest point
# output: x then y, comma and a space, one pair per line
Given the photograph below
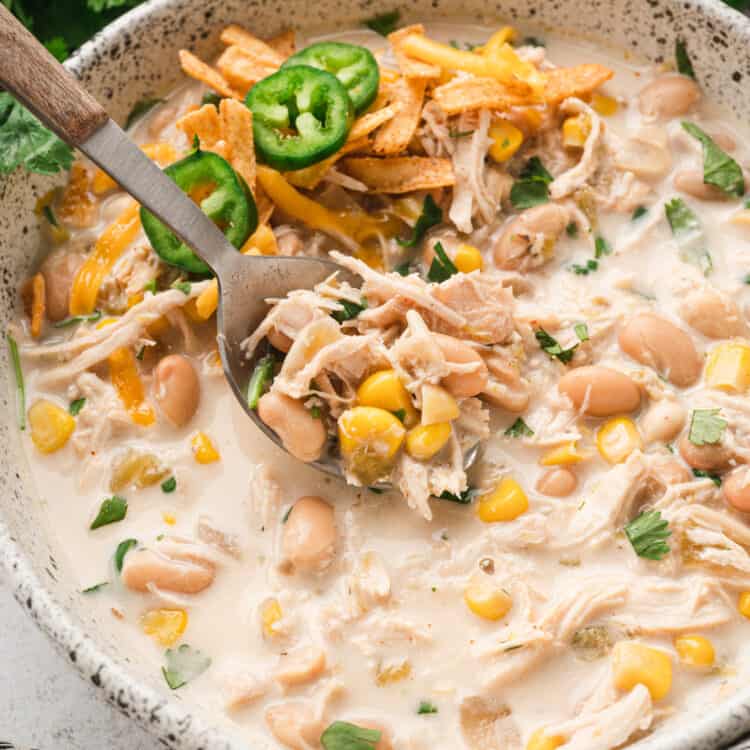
170, 720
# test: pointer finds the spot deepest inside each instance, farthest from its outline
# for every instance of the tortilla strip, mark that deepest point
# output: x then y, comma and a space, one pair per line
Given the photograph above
237, 131
370, 121
310, 177
285, 44
464, 94
401, 174
242, 69
195, 68
409, 67
263, 53
578, 81
204, 123
396, 134
264, 205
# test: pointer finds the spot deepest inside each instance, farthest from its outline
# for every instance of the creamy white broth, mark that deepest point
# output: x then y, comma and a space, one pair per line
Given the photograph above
423, 622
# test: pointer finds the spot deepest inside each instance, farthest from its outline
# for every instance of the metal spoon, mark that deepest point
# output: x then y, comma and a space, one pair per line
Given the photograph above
37, 79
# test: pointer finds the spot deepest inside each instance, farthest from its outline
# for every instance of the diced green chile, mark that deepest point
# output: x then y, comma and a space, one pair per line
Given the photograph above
301, 115
353, 65
229, 204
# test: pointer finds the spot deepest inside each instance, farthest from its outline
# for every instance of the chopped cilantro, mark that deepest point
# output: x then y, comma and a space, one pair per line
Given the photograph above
210, 97
169, 485
285, 517
259, 380
425, 707
184, 664
639, 211
112, 510
519, 428
76, 406
460, 133
385, 23
719, 169
684, 65
688, 233
403, 269
96, 587
463, 498
400, 414
350, 310
430, 216
75, 319
15, 359
572, 229
582, 331
122, 549
442, 267
182, 286
150, 286
648, 533
341, 735
550, 345
700, 474
591, 265
141, 108
706, 427
601, 247
530, 189
315, 412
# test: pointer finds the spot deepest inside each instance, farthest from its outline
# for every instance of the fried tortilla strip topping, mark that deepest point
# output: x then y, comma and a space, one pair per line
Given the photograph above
401, 174
261, 51
242, 69
396, 134
578, 81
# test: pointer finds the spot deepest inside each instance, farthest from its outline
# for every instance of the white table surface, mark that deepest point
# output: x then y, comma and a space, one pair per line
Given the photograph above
44, 703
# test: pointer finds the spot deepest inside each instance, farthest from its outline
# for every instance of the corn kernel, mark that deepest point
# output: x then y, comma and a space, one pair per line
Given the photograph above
369, 439
425, 441
393, 673
743, 604
385, 390
270, 614
540, 741
604, 105
169, 519
437, 405
742, 217
695, 650
51, 426
468, 259
506, 140
635, 663
203, 449
617, 439
165, 626
575, 131
564, 455
487, 600
505, 503
728, 367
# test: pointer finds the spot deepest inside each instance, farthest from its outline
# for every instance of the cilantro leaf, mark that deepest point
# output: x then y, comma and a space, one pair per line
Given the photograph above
96, 315
582, 331
425, 707
706, 427
140, 108
688, 233
74, 409
442, 267
550, 345
530, 189
168, 485
350, 310
719, 169
430, 216
700, 474
122, 549
25, 142
648, 533
259, 380
112, 510
571, 229
385, 23
15, 359
639, 211
519, 428
341, 735
684, 65
403, 269
96, 587
184, 664
601, 247
591, 265
182, 286
463, 498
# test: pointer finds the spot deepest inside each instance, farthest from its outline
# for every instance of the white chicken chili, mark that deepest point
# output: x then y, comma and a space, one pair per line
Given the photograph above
554, 250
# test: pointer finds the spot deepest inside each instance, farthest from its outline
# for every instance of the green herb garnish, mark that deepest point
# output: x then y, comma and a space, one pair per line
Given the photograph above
75, 406
684, 65
285, 517
122, 549
442, 267
719, 169
403, 269
530, 189
15, 359
96, 587
700, 474
460, 133
688, 233
75, 319
431, 215
572, 229
25, 142
49, 214
706, 427
519, 428
184, 664
350, 310
112, 510
601, 247
648, 533
464, 498
315, 412
425, 707
591, 265
182, 286
260, 379
341, 735
639, 211
400, 414
139, 109
169, 485
550, 345
150, 286
582, 331
385, 23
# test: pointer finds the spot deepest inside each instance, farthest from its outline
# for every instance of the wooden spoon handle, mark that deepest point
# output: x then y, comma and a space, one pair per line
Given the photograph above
33, 75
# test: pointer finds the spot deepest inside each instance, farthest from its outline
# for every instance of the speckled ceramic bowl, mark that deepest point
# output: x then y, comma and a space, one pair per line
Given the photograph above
136, 57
